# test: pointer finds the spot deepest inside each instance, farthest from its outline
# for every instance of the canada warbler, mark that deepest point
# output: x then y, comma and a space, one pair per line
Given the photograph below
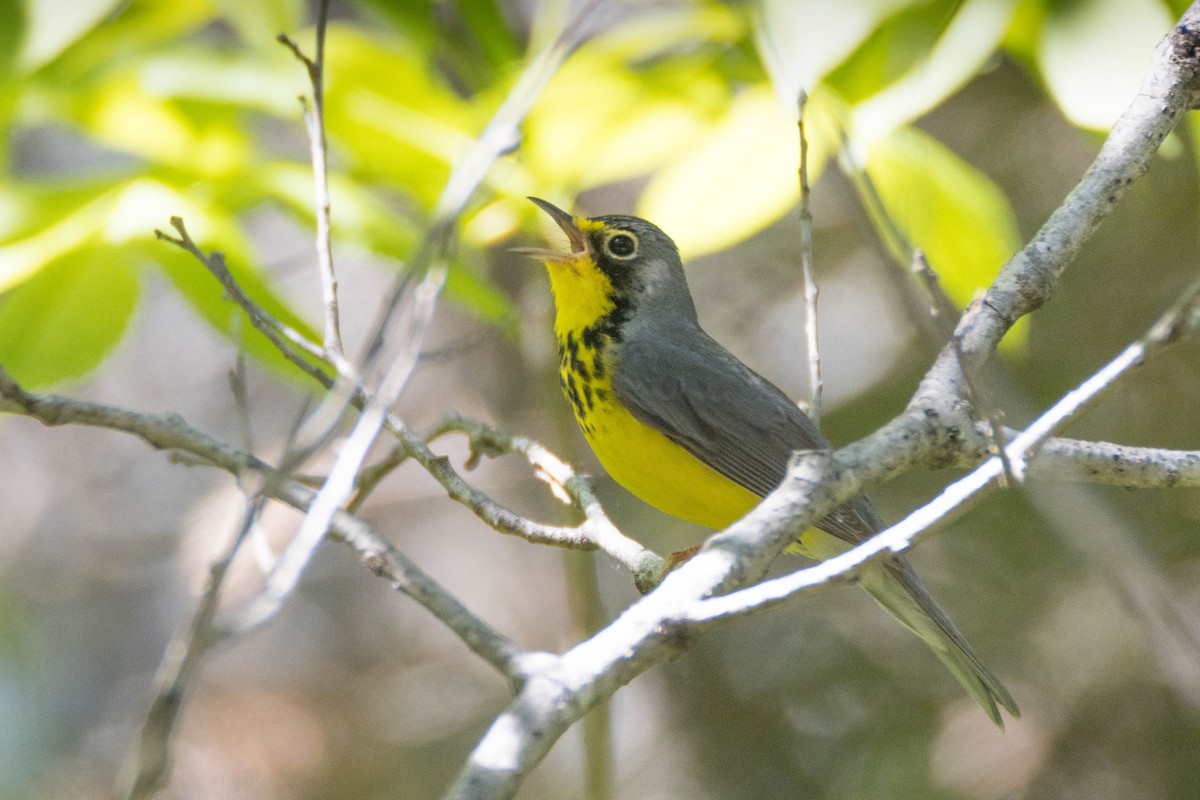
680, 422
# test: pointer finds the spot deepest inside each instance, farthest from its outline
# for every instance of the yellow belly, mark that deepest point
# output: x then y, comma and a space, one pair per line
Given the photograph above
661, 472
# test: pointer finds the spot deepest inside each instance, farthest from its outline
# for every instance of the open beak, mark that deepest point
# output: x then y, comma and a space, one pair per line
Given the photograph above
564, 221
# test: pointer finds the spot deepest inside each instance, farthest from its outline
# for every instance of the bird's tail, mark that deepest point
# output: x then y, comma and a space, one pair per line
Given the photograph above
895, 586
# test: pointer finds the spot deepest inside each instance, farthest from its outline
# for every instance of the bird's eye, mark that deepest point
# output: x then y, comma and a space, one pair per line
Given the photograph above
622, 245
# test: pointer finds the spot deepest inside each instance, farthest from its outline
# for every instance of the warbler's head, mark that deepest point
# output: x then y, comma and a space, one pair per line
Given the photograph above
613, 262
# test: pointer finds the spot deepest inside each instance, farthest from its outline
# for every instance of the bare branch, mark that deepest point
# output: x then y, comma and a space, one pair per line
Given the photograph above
945, 317
287, 340
811, 292
596, 532
1118, 465
314, 121
1167, 92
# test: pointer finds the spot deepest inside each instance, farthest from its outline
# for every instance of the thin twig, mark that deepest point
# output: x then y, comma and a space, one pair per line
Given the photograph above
811, 292
285, 338
596, 532
314, 121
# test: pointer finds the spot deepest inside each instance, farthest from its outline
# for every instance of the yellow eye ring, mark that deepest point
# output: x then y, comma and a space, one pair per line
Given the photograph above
621, 244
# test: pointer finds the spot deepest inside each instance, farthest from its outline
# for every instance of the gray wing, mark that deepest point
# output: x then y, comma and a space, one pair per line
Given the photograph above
712, 405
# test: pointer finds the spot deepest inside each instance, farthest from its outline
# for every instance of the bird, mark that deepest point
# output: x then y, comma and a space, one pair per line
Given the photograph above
688, 428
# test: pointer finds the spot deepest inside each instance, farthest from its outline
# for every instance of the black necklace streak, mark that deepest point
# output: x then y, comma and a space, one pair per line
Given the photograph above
581, 360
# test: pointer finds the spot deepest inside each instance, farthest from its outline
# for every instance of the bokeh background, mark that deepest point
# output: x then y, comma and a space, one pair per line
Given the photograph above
971, 120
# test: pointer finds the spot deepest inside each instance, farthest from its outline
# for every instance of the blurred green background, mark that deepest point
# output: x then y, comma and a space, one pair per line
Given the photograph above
971, 119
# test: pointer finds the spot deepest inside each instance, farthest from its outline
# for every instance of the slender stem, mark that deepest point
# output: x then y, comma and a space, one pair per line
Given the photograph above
314, 122
811, 292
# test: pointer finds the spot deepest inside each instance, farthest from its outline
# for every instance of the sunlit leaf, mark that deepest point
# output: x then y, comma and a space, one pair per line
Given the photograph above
21, 258
391, 116
124, 116
1093, 54
139, 24
802, 40
53, 25
258, 22
943, 205
87, 216
899, 43
270, 84
740, 177
598, 121
116, 229
496, 222
966, 45
61, 323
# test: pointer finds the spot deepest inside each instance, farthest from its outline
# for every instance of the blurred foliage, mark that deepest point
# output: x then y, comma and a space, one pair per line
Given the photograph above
194, 95
968, 119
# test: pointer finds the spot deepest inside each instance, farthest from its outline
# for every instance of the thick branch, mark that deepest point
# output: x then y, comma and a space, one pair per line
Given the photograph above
1117, 465
1168, 91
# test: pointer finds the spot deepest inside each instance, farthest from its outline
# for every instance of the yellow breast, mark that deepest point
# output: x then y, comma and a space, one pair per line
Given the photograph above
638, 457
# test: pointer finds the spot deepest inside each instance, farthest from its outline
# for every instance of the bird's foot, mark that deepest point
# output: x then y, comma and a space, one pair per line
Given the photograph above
678, 557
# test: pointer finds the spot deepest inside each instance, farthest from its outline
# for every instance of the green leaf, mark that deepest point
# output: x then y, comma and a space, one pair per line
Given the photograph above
138, 25
61, 323
963, 49
1093, 54
358, 216
898, 44
51, 29
801, 40
390, 114
127, 213
260, 21
942, 204
489, 28
28, 206
599, 122
12, 33
41, 225
481, 298
740, 177
414, 20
